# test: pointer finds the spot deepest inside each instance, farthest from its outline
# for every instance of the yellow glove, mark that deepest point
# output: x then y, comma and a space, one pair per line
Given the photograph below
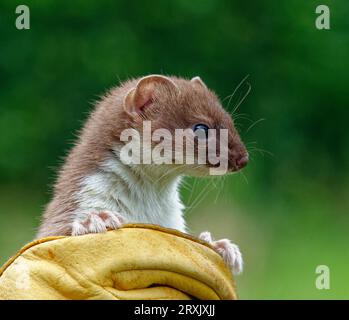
135, 262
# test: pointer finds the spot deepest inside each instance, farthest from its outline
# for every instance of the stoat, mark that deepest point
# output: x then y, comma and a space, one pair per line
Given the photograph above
97, 190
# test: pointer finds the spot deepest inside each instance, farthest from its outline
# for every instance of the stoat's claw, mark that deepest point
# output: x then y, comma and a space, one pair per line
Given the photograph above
206, 236
96, 222
229, 251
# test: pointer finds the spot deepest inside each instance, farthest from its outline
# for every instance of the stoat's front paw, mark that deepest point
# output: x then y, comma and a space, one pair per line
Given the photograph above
96, 222
229, 251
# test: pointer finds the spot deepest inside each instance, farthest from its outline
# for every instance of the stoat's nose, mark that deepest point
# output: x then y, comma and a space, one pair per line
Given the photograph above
241, 162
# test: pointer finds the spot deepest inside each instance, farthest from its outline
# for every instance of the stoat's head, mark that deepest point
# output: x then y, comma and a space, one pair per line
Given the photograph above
174, 119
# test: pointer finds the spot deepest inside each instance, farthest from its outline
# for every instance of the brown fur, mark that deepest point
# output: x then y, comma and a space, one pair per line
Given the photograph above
171, 109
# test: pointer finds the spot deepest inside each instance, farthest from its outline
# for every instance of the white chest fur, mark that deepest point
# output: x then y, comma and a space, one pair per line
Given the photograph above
136, 196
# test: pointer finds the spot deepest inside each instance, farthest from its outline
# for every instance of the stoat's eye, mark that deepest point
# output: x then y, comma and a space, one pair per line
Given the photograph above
201, 130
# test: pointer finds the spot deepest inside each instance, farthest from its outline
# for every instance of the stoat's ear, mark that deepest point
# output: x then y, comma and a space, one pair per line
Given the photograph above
143, 95
197, 81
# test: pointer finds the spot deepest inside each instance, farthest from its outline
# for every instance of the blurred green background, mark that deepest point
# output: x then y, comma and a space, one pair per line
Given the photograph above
289, 208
